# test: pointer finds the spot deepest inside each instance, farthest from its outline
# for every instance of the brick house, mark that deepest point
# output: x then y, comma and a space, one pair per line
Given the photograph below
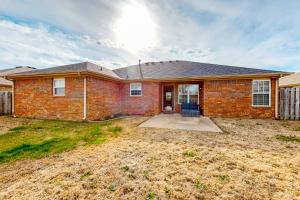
86, 91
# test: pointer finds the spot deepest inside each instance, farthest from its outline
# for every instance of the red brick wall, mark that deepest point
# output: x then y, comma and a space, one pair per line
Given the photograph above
103, 98
147, 104
34, 98
233, 98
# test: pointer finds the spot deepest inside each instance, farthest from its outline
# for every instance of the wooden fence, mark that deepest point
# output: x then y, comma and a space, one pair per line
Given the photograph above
289, 103
5, 103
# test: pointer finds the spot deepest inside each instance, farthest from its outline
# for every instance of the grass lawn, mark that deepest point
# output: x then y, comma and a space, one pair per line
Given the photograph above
38, 138
251, 159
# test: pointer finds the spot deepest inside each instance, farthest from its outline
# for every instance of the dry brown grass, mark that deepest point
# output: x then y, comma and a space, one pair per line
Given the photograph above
245, 162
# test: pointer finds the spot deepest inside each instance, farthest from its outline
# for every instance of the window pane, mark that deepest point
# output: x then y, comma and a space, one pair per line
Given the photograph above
188, 93
261, 99
193, 89
266, 86
136, 86
184, 98
59, 83
260, 86
136, 92
168, 96
193, 98
255, 86
183, 89
266, 99
59, 91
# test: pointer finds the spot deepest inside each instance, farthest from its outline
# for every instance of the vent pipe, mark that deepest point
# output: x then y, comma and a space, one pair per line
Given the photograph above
141, 74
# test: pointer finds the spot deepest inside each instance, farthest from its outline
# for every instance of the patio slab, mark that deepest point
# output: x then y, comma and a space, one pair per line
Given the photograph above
176, 121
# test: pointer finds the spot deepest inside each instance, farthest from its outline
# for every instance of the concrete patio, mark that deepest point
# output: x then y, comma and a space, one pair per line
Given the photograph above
176, 121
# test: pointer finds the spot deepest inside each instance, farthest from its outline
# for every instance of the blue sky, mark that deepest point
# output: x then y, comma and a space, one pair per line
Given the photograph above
261, 34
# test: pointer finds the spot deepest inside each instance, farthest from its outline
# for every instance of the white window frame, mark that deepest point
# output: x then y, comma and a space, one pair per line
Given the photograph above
132, 95
188, 93
270, 93
53, 83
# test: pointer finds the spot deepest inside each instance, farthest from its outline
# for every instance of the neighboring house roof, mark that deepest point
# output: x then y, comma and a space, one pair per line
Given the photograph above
290, 81
4, 82
10, 71
155, 70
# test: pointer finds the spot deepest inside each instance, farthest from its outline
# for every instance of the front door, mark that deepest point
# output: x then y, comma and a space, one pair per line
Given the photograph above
168, 96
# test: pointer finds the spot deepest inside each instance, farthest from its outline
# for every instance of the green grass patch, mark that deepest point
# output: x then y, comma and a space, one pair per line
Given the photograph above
18, 129
125, 168
40, 138
189, 153
150, 196
115, 130
288, 138
85, 175
112, 187
223, 178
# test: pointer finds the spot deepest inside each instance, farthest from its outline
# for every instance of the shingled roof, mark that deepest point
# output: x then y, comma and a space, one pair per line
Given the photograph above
72, 68
156, 70
9, 71
185, 69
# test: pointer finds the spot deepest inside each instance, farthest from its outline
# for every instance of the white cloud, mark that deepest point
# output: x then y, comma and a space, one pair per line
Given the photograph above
39, 46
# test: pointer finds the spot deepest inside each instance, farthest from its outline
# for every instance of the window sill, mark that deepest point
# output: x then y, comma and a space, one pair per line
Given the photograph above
257, 106
58, 96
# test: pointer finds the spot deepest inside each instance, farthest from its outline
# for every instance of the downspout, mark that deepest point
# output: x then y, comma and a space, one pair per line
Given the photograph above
276, 98
13, 98
84, 98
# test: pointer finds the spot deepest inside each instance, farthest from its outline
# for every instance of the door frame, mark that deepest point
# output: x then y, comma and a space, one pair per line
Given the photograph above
173, 96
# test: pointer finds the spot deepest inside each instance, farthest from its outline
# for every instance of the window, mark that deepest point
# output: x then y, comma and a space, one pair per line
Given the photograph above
135, 89
188, 93
59, 87
261, 93
168, 96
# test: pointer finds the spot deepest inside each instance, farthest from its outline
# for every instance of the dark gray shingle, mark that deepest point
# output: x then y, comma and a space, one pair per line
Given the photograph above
155, 70
185, 69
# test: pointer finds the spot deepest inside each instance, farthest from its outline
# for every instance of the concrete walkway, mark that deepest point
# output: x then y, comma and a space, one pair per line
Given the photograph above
176, 121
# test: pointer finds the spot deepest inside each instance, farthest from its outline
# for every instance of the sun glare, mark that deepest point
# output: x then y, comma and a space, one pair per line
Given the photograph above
135, 29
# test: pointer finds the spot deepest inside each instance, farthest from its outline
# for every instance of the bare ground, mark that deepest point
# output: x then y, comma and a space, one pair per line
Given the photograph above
245, 162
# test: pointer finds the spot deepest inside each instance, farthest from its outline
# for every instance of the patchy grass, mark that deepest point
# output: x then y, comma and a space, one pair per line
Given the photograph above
246, 163
297, 129
200, 186
115, 129
40, 138
125, 168
112, 187
150, 196
85, 175
189, 153
288, 138
223, 178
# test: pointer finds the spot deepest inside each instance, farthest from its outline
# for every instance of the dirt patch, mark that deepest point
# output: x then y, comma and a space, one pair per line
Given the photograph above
245, 162
7, 122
